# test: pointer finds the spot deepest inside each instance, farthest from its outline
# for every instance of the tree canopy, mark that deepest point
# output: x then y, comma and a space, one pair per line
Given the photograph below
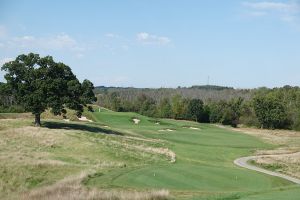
39, 83
270, 111
195, 109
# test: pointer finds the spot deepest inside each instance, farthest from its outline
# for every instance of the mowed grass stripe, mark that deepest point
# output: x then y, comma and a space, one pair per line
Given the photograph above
203, 157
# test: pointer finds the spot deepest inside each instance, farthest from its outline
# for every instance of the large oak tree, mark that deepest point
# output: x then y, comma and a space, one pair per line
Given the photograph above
39, 83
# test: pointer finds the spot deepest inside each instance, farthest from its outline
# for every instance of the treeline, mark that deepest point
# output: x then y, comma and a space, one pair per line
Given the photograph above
206, 92
8, 103
262, 107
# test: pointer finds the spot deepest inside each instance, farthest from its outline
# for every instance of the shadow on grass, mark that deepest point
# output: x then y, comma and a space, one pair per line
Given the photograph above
81, 127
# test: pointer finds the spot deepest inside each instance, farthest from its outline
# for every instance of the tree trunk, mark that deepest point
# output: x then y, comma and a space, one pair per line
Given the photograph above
37, 121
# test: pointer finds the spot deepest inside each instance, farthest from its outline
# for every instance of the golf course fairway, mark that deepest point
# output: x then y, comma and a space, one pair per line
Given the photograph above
203, 168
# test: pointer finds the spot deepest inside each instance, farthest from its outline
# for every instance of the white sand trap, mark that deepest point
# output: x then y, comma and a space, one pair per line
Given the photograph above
168, 130
105, 126
83, 118
190, 127
194, 128
157, 123
66, 120
136, 121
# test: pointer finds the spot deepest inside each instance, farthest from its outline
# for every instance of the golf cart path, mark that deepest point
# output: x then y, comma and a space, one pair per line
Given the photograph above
243, 162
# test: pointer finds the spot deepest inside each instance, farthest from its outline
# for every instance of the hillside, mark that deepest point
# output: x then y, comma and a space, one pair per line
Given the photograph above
130, 156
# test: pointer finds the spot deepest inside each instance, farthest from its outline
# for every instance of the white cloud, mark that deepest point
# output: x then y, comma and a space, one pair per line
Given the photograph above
147, 38
285, 11
266, 5
63, 41
60, 41
5, 60
257, 13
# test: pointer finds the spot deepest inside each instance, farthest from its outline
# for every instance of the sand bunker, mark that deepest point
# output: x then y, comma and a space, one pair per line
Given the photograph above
136, 121
168, 130
83, 118
190, 127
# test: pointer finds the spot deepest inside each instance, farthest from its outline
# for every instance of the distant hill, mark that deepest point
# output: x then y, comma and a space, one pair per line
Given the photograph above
211, 87
205, 87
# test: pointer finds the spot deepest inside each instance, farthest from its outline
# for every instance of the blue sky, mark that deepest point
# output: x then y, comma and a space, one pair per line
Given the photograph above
160, 43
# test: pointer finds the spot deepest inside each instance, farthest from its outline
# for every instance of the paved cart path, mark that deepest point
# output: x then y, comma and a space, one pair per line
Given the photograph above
243, 162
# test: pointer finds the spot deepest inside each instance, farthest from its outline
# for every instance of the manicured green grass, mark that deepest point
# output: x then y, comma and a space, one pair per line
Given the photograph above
122, 155
204, 160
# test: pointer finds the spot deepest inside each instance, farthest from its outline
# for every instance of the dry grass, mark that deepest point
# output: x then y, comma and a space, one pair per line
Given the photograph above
286, 158
144, 139
286, 163
71, 188
148, 149
27, 145
15, 115
33, 158
278, 137
163, 151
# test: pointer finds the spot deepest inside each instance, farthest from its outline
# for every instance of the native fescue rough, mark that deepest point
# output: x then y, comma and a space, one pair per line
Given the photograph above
24, 146
285, 158
71, 189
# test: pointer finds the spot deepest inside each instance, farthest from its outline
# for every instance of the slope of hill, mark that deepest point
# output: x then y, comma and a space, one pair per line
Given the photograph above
130, 156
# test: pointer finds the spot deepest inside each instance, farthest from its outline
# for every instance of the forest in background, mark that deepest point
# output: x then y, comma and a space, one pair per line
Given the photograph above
276, 108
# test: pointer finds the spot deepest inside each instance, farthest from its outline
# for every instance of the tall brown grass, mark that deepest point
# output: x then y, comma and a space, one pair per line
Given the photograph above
72, 189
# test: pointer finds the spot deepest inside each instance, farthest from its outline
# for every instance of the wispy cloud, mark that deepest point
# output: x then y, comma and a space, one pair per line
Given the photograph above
266, 5
285, 11
57, 42
60, 41
146, 38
